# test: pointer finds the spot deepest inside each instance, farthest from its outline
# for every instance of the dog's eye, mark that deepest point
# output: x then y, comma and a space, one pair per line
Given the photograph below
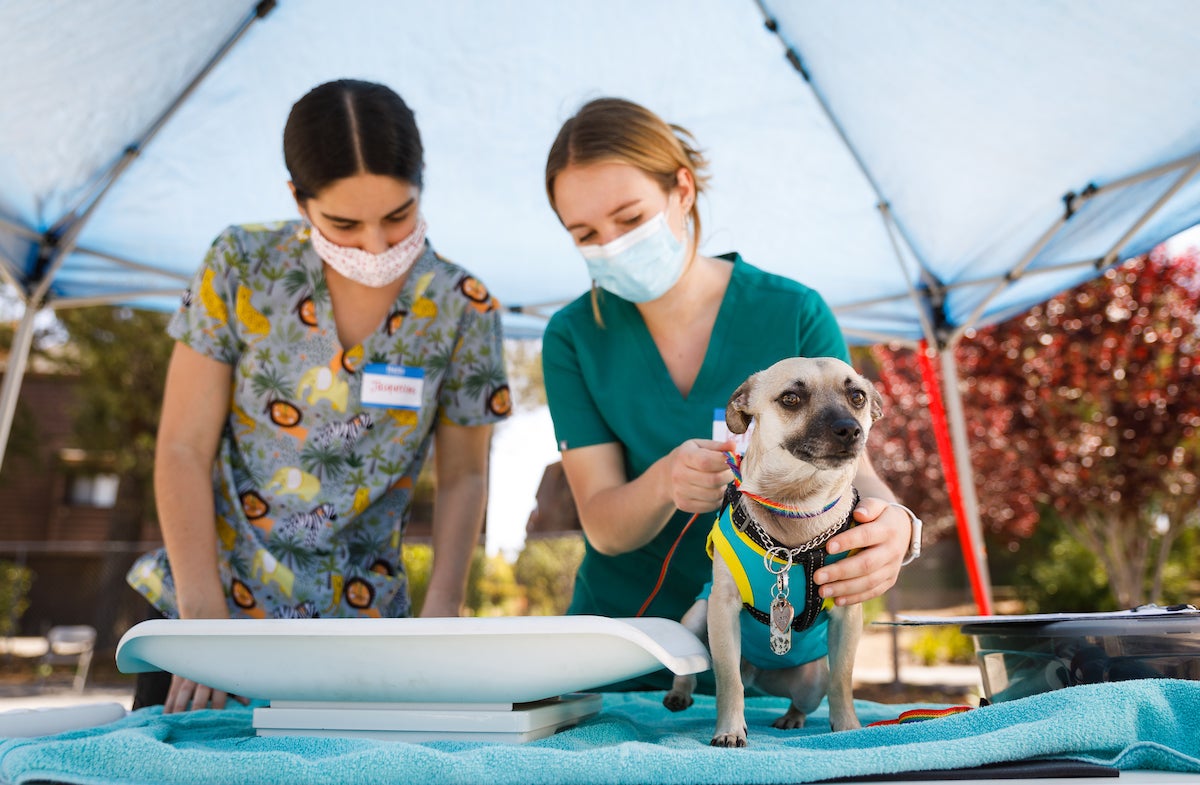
789, 400
858, 397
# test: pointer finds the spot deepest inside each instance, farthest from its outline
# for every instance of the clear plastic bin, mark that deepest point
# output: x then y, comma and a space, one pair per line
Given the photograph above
1026, 659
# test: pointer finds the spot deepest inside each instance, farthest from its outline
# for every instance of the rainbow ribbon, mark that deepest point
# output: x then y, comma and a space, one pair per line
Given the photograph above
735, 465
920, 715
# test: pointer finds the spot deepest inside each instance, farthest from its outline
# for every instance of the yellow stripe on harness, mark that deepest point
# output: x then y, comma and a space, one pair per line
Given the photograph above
717, 541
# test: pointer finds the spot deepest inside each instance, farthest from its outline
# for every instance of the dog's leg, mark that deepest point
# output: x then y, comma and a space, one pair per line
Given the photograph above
694, 621
806, 685
725, 642
845, 629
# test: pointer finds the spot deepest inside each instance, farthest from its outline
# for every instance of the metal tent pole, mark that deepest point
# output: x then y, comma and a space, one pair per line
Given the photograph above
14, 372
896, 232
1190, 166
56, 244
1114, 253
109, 298
129, 264
65, 232
957, 423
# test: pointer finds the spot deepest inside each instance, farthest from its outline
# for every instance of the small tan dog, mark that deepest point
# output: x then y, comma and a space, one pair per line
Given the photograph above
811, 418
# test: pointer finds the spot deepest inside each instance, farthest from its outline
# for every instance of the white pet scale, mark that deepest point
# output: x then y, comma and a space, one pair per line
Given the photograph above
510, 679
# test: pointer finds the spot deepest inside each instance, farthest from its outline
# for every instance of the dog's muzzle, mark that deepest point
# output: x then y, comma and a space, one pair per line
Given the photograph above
830, 442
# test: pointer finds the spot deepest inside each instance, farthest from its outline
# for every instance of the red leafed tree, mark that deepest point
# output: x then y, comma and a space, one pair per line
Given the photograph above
1088, 404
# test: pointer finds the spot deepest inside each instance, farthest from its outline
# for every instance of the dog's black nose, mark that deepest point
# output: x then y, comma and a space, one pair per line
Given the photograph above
847, 429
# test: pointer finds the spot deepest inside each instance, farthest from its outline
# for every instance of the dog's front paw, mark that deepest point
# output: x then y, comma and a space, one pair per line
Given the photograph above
677, 701
729, 740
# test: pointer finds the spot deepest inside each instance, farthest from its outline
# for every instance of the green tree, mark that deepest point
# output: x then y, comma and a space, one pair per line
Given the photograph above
375, 456
15, 582
483, 377
272, 382
121, 357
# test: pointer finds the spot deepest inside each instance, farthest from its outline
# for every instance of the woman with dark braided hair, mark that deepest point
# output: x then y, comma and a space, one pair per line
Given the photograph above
317, 362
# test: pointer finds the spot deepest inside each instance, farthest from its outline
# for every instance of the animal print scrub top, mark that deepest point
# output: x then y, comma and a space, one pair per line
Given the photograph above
312, 486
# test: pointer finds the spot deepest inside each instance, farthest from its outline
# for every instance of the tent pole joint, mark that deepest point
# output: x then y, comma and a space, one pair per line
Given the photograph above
941, 331
46, 251
1070, 197
793, 57
789, 51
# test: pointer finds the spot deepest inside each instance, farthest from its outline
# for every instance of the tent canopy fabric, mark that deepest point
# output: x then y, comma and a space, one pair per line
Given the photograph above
926, 165
914, 168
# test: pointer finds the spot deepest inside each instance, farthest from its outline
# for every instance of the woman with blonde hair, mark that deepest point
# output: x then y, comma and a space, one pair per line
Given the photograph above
637, 370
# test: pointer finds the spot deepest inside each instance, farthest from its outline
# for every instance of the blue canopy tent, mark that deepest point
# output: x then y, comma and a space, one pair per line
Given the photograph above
927, 166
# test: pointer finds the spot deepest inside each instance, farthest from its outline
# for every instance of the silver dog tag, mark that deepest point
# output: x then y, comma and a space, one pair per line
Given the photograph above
782, 614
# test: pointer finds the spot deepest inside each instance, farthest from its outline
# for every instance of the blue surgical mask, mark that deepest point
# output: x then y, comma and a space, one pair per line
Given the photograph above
640, 265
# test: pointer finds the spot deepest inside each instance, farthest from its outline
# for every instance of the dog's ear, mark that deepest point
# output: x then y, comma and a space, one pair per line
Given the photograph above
876, 402
737, 411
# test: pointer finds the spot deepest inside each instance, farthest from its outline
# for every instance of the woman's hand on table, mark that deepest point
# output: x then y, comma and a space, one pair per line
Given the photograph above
187, 695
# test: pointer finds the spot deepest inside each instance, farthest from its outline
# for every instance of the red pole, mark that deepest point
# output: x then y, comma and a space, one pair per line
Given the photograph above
941, 434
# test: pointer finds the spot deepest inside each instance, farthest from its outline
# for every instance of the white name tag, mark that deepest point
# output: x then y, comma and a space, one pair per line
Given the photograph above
392, 386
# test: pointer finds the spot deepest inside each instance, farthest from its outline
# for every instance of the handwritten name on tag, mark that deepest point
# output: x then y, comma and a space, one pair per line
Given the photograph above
392, 386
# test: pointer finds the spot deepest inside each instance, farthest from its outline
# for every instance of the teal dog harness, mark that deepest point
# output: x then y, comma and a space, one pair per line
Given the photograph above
745, 548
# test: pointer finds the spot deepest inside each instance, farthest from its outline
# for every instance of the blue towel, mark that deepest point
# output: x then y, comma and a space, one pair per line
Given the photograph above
1147, 724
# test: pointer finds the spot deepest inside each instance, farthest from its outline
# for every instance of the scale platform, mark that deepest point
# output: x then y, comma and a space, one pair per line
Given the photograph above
499, 722
508, 679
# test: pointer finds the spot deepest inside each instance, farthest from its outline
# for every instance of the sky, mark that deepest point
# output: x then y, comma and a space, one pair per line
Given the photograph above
1185, 239
522, 447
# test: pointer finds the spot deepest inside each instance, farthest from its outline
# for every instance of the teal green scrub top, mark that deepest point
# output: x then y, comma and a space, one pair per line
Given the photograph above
609, 384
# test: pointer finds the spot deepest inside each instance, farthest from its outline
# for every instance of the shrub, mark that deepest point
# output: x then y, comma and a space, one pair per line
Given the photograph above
545, 569
492, 589
418, 564
943, 644
539, 583
1053, 572
15, 582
